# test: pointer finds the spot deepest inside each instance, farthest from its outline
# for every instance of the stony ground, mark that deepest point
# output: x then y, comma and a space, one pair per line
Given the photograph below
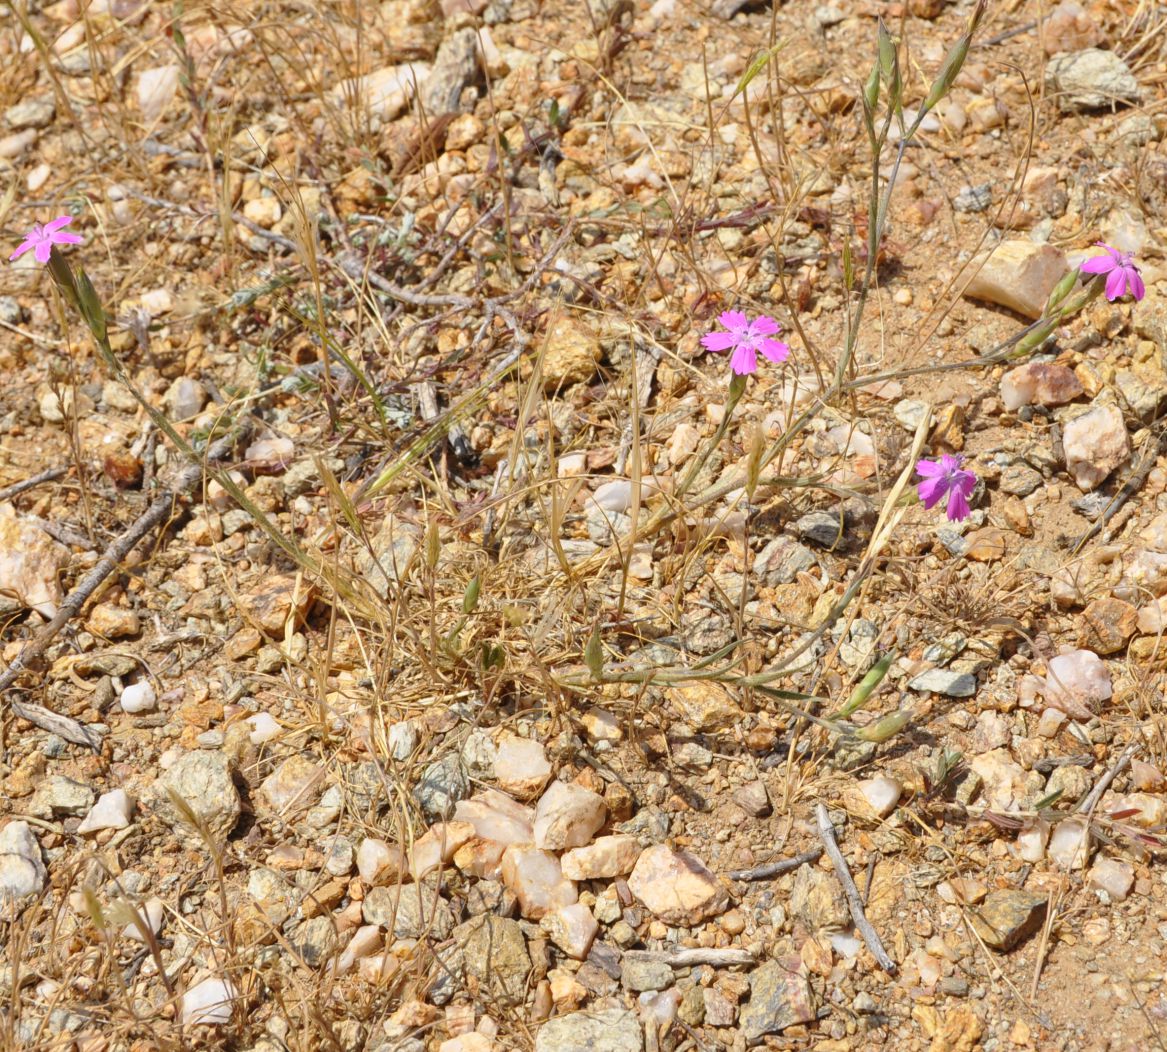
429, 282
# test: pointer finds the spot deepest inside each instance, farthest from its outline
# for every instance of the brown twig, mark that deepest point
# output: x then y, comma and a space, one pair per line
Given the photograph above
774, 869
8, 492
155, 514
854, 900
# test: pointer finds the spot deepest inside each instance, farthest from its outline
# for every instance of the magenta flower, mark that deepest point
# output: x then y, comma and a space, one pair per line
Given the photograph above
945, 476
41, 239
1124, 274
746, 338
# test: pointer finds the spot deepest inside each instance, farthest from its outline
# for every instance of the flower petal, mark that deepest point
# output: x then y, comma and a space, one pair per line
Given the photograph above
1097, 265
744, 360
66, 238
775, 350
931, 490
57, 223
965, 481
1116, 284
44, 249
1134, 281
718, 341
764, 325
957, 506
929, 469
22, 248
734, 320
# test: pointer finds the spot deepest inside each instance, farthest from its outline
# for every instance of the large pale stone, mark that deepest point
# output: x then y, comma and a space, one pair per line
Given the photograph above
521, 766
537, 881
567, 815
1019, 275
1095, 443
676, 886
608, 856
497, 817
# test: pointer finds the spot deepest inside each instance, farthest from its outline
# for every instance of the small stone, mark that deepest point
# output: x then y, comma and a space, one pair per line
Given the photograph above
138, 697
677, 887
60, 796
1019, 275
986, 545
600, 725
1032, 840
185, 398
497, 818
1147, 777
704, 706
264, 728
640, 972
881, 794
567, 815
819, 900
536, 878
1069, 28
823, 528
1114, 877
605, 1030
366, 941
316, 941
521, 766
150, 915
457, 66
1004, 782
276, 600
494, 952
379, 862
992, 732
32, 113
780, 997
1020, 480
781, 561
410, 911
909, 412
443, 783
22, 870
1091, 79
1007, 917
572, 354
112, 621
572, 928
403, 738
1106, 625
112, 811
606, 857
437, 846
209, 1003
264, 211
1071, 843
754, 799
947, 682
1077, 682
973, 198
202, 782
1040, 383
1095, 443
293, 786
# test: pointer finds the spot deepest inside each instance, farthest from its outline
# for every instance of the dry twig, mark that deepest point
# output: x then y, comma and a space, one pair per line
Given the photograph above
854, 900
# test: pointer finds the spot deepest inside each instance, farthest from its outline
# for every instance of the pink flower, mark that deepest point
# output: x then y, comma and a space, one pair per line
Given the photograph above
945, 476
1124, 275
746, 338
41, 239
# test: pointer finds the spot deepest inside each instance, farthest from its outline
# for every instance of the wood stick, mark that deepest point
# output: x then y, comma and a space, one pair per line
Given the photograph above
690, 958
854, 900
774, 869
1090, 800
8, 492
70, 607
